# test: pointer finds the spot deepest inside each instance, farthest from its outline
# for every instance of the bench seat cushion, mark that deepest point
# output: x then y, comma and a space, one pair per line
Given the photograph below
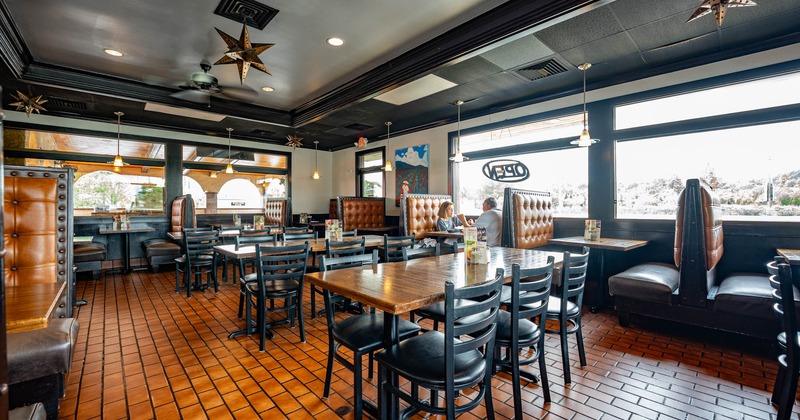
159, 247
652, 281
38, 353
745, 293
88, 252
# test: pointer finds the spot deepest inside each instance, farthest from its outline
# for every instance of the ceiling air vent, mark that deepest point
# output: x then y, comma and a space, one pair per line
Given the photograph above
358, 127
540, 70
258, 14
263, 133
65, 103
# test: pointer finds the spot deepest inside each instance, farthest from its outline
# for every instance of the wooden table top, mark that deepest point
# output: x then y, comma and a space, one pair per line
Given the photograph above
602, 243
445, 234
31, 306
316, 245
792, 255
132, 229
401, 287
81, 239
228, 233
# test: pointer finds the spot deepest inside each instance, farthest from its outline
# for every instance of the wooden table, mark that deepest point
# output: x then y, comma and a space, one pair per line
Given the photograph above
445, 234
315, 246
603, 244
230, 233
31, 306
401, 287
791, 255
126, 242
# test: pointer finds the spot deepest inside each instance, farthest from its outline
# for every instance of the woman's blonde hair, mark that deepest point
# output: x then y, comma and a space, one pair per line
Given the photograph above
443, 209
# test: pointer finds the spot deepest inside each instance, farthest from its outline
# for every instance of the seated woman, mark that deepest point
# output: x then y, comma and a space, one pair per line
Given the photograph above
447, 221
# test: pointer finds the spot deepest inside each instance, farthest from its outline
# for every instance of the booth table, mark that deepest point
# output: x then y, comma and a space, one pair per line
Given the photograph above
31, 306
126, 241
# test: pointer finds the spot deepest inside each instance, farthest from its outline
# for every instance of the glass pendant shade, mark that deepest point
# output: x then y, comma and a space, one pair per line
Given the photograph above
388, 166
229, 168
118, 162
585, 140
458, 157
316, 172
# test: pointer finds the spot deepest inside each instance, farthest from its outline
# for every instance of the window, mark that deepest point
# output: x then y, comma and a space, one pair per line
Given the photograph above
747, 96
239, 194
543, 147
103, 191
754, 170
371, 177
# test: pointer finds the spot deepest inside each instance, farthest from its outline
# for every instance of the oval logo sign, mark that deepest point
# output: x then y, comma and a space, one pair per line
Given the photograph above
506, 170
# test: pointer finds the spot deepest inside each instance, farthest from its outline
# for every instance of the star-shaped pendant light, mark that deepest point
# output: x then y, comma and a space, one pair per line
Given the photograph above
28, 102
719, 7
294, 141
242, 52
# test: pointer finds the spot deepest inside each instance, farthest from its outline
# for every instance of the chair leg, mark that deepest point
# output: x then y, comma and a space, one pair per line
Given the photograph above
515, 384
543, 371
248, 311
329, 373
298, 300
779, 379
370, 366
579, 337
357, 398
313, 301
562, 331
187, 279
788, 391
261, 312
214, 275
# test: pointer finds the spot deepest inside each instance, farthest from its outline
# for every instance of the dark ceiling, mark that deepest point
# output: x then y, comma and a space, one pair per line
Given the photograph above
495, 55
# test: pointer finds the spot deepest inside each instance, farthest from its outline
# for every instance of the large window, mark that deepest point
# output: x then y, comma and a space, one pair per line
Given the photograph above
370, 179
554, 165
755, 170
107, 191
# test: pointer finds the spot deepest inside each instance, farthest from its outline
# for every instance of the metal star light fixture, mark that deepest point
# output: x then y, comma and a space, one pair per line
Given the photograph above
243, 52
28, 102
719, 7
294, 141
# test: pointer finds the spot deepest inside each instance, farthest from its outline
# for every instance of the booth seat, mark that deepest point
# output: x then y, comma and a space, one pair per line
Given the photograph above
418, 213
276, 212
689, 290
89, 257
163, 250
527, 218
362, 213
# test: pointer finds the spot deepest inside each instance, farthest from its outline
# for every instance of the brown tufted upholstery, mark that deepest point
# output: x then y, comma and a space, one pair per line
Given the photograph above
333, 209
275, 211
712, 226
529, 220
362, 212
419, 213
37, 219
183, 214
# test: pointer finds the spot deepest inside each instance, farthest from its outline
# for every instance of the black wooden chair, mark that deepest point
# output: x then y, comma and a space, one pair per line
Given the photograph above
199, 259
244, 277
336, 249
290, 236
530, 291
785, 387
228, 240
361, 334
566, 308
458, 359
401, 248
279, 275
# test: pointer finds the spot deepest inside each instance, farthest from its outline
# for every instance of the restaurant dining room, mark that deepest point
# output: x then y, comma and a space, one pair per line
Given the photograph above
502, 209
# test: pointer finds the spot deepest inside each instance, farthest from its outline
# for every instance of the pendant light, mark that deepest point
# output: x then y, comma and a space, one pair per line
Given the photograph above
316, 173
585, 140
458, 158
118, 162
229, 168
388, 167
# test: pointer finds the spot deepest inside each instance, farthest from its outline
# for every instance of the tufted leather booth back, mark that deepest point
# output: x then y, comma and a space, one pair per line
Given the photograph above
37, 218
710, 211
362, 212
275, 211
333, 209
527, 218
419, 213
182, 215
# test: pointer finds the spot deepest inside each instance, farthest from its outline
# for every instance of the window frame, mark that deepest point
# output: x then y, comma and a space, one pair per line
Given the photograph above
360, 172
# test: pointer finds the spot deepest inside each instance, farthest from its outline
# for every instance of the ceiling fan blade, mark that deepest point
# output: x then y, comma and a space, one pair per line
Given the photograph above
191, 95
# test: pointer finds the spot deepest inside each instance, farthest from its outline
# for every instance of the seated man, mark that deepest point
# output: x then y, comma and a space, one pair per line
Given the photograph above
492, 220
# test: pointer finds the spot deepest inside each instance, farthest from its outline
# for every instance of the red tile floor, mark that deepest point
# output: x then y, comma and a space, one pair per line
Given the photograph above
145, 351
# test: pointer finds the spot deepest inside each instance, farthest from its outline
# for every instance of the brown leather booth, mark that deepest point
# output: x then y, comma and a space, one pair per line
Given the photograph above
362, 212
163, 251
276, 212
37, 230
418, 213
689, 290
527, 218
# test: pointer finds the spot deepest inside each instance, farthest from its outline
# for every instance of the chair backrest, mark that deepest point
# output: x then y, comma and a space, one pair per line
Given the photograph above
290, 236
182, 213
231, 227
418, 213
527, 218
257, 232
243, 240
276, 211
297, 229
335, 263
786, 309
530, 292
281, 263
353, 232
393, 247
344, 248
698, 241
476, 327
199, 242
573, 277
361, 212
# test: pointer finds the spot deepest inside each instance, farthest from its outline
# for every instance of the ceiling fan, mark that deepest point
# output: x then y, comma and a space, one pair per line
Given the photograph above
203, 85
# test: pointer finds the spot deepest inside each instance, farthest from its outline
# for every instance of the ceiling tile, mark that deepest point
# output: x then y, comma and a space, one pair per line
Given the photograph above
525, 50
633, 13
497, 82
670, 30
601, 51
588, 27
468, 70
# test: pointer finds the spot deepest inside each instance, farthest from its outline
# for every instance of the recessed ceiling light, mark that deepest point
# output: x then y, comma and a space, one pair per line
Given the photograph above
115, 53
268, 89
336, 42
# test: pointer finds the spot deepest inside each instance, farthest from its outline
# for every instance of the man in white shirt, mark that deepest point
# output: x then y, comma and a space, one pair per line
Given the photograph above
492, 220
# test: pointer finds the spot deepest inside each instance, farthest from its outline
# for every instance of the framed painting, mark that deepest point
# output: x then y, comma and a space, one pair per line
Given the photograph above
411, 171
